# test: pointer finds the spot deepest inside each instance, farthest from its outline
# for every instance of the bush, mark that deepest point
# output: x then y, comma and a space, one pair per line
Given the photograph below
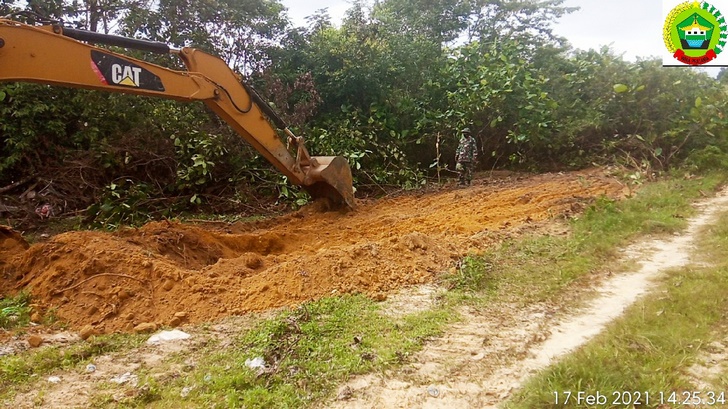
709, 158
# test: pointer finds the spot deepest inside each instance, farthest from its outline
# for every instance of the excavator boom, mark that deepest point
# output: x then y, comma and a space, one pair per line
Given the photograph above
52, 54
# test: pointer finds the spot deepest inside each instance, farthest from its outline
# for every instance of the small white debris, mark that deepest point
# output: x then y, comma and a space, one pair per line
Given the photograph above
90, 368
186, 391
54, 379
167, 336
126, 377
255, 363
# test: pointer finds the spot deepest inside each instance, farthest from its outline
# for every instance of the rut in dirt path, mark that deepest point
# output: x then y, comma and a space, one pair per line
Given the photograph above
480, 362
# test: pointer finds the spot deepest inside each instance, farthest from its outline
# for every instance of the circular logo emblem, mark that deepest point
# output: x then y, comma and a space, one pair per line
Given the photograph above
695, 32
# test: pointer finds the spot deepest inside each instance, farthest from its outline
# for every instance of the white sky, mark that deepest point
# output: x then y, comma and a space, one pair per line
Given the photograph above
632, 27
298, 10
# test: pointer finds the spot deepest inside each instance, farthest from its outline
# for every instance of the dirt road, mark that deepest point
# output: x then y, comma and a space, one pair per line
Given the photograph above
480, 362
167, 272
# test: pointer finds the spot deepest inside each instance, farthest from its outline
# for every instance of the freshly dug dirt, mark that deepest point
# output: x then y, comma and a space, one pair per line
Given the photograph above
168, 273
11, 244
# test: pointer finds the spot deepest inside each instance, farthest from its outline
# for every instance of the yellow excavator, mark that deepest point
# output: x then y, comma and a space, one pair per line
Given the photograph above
57, 55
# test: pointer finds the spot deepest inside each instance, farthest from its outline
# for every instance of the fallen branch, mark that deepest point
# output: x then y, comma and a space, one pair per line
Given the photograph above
16, 184
94, 276
8, 209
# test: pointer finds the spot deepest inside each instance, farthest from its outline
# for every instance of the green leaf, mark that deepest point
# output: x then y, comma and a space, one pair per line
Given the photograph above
620, 88
658, 151
698, 102
2, 96
640, 88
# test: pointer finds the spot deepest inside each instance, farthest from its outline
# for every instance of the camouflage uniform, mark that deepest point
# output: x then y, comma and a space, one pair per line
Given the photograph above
466, 156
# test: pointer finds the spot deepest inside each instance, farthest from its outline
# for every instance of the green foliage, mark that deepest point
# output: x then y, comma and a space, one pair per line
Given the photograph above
494, 87
620, 88
707, 159
15, 311
473, 274
370, 141
23, 129
294, 195
122, 202
388, 89
196, 154
242, 33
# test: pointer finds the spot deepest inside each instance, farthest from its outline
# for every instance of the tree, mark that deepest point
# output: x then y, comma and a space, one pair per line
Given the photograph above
529, 22
243, 33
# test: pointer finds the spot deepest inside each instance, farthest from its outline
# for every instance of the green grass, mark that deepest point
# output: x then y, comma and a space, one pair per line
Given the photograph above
658, 208
651, 347
539, 267
307, 351
22, 368
219, 218
15, 311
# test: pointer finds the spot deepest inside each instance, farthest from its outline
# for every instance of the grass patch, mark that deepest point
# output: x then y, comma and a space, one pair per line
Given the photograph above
648, 349
20, 369
658, 208
474, 273
307, 353
219, 218
651, 347
15, 311
539, 267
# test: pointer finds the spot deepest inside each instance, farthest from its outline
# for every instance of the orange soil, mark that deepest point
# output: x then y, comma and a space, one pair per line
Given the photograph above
116, 281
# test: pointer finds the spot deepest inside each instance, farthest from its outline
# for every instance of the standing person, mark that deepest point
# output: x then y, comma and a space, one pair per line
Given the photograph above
466, 156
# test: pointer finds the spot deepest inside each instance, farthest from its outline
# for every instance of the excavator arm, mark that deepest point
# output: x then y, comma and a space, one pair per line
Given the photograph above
55, 55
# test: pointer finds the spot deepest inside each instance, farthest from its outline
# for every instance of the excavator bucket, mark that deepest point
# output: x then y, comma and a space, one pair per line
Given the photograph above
331, 179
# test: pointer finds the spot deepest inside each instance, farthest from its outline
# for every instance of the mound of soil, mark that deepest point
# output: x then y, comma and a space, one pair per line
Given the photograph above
166, 273
11, 244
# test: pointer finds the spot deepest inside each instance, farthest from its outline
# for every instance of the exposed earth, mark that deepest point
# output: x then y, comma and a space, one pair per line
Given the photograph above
167, 273
393, 248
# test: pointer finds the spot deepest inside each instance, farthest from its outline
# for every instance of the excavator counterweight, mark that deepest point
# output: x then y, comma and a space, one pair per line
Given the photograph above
56, 55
